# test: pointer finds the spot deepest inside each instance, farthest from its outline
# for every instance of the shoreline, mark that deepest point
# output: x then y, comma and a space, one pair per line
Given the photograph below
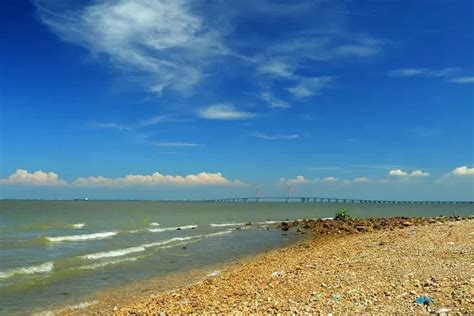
363, 265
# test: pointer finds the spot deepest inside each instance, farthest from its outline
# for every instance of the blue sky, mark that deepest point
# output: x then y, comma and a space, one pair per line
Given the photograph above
197, 99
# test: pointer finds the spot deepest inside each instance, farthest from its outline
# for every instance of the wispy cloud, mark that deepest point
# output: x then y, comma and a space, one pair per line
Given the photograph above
273, 101
162, 39
462, 80
424, 72
325, 168
276, 67
450, 74
277, 136
324, 46
361, 180
111, 125
224, 111
155, 120
176, 144
308, 87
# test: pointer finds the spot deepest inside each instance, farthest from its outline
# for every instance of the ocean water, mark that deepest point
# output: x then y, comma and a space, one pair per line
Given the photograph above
54, 253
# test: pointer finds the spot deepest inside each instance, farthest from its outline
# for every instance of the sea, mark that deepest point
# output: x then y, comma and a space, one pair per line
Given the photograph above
55, 254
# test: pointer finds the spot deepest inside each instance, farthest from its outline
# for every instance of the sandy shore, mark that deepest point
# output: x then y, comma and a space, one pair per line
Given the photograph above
358, 266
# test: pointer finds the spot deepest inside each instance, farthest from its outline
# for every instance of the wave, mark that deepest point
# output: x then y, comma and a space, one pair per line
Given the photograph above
267, 222
224, 232
227, 224
114, 253
78, 225
165, 242
140, 248
106, 263
94, 236
159, 230
66, 309
154, 224
36, 269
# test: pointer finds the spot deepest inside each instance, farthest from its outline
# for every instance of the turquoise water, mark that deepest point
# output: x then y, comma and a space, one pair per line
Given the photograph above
53, 252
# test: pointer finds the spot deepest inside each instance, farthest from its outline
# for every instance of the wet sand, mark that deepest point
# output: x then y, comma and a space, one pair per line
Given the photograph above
356, 266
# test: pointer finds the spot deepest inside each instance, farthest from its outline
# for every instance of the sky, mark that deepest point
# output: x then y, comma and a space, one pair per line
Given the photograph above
176, 99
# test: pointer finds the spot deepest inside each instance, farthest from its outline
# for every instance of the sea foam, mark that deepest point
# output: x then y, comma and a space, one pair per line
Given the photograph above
83, 237
107, 263
36, 269
224, 232
114, 253
165, 242
159, 230
227, 224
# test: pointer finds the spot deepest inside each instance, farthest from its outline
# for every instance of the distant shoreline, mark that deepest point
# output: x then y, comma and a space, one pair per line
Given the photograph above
293, 200
364, 265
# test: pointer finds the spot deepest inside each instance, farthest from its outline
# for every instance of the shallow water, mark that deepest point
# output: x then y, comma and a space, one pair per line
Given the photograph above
51, 251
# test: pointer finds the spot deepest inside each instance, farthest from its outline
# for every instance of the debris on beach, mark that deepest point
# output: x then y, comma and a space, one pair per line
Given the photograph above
381, 269
277, 273
424, 300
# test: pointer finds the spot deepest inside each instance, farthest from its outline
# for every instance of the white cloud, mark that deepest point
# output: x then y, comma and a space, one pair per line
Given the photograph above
362, 180
176, 144
462, 80
423, 72
276, 67
419, 173
224, 111
401, 173
158, 179
308, 87
37, 178
322, 46
398, 173
273, 101
160, 38
118, 126
296, 181
302, 180
463, 171
277, 136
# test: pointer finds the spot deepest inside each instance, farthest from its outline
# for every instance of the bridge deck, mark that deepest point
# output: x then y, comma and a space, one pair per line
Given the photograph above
301, 199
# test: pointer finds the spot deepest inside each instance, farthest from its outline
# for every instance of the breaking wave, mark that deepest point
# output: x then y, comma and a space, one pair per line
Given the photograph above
106, 263
83, 237
224, 232
159, 230
114, 253
36, 269
227, 224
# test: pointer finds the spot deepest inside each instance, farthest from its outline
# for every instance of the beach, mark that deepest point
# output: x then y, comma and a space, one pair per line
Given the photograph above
356, 266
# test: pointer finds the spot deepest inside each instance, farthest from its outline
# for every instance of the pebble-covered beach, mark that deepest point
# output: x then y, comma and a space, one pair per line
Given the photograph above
397, 265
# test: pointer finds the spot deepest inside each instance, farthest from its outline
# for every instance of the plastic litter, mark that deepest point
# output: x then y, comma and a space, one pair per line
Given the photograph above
424, 300
277, 273
443, 311
336, 298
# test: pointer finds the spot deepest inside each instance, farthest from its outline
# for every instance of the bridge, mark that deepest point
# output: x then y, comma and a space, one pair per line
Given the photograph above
302, 199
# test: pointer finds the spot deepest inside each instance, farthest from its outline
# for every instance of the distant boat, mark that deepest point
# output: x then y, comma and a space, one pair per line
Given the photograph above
84, 199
